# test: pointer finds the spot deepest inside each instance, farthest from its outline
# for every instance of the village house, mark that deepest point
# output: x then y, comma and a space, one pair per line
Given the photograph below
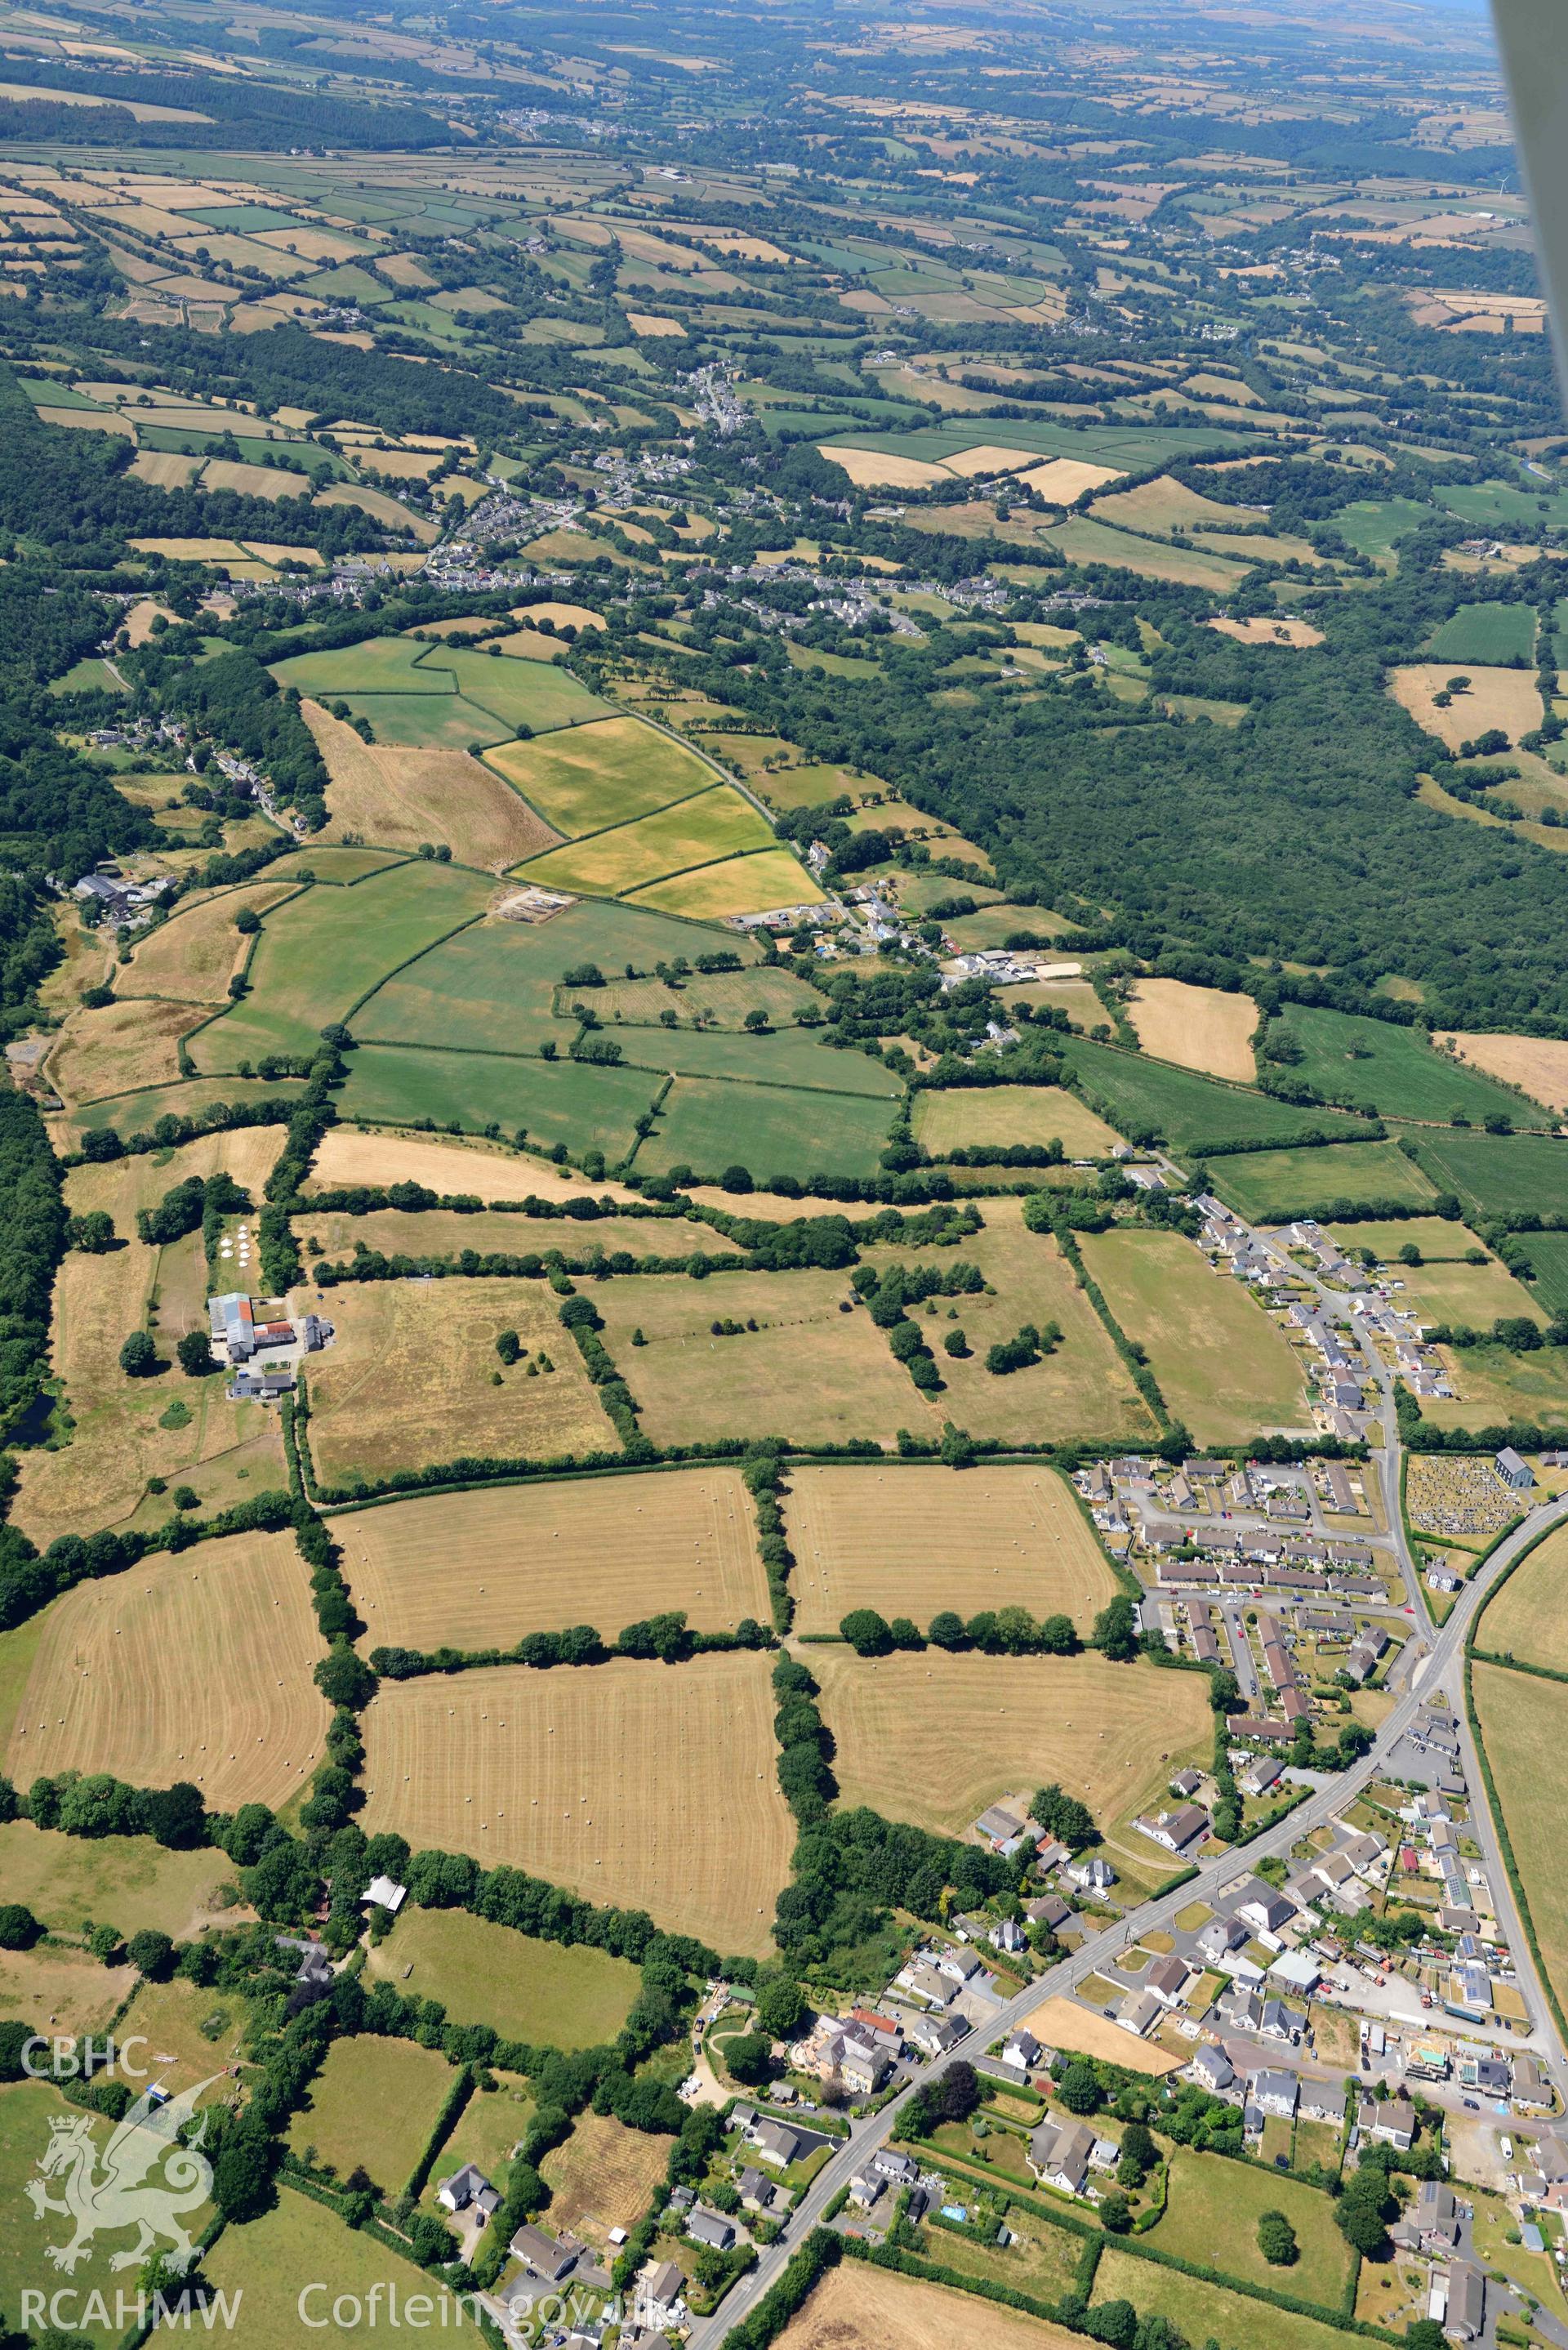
467, 2189
1059, 2155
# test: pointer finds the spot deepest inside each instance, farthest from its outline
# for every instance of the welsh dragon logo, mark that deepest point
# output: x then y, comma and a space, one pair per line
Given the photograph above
142, 2178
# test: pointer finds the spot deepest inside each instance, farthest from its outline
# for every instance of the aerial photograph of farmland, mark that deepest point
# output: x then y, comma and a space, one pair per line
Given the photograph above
784, 1174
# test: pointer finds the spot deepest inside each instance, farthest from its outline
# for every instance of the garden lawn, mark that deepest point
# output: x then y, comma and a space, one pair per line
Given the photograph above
583, 1107
1393, 1071
549, 1995
1223, 1367
372, 2105
1272, 1187
1211, 2219
319, 953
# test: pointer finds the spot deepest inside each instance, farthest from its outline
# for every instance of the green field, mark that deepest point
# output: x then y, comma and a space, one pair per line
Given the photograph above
1395, 1072
1497, 505
1274, 1186
124, 1881
440, 694
789, 1056
588, 1108
720, 999
1438, 1241
1211, 2218
707, 1125
493, 987
714, 824
1486, 634
27, 2110
1498, 1175
1374, 525
89, 676
319, 953
300, 2245
373, 2102
608, 772
1192, 1112
546, 1994
1207, 2311
1132, 445
1522, 1721
1223, 1367
1496, 1385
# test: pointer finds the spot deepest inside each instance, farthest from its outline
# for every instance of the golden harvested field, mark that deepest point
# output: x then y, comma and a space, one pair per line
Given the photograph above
1164, 505
349, 1154
565, 616
1523, 1720
602, 2177
192, 958
1197, 1027
911, 1540
934, 1738
647, 323
253, 481
400, 799
1260, 631
868, 469
1080, 1390
193, 1667
442, 1232
988, 457
1063, 479
534, 1558
1224, 1366
165, 469
650, 1786
407, 1381
954, 1120
1064, 2024
1528, 1618
119, 1050
1498, 697
1538, 1065
857, 2307
806, 1371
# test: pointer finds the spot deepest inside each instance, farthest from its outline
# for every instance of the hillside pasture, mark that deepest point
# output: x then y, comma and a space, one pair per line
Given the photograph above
718, 999
608, 772
1192, 1112
1494, 1174
191, 958
1486, 632
408, 1381
933, 1738
191, 1667
751, 883
960, 1117
1528, 1618
547, 1994
402, 798
1223, 1367
643, 1784
319, 953
537, 1557
911, 1540
121, 1047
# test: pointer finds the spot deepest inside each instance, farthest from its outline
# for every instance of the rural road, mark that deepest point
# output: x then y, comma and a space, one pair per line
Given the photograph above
1439, 1670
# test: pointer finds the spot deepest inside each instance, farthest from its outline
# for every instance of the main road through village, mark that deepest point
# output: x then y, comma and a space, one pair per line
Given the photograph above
1435, 1667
